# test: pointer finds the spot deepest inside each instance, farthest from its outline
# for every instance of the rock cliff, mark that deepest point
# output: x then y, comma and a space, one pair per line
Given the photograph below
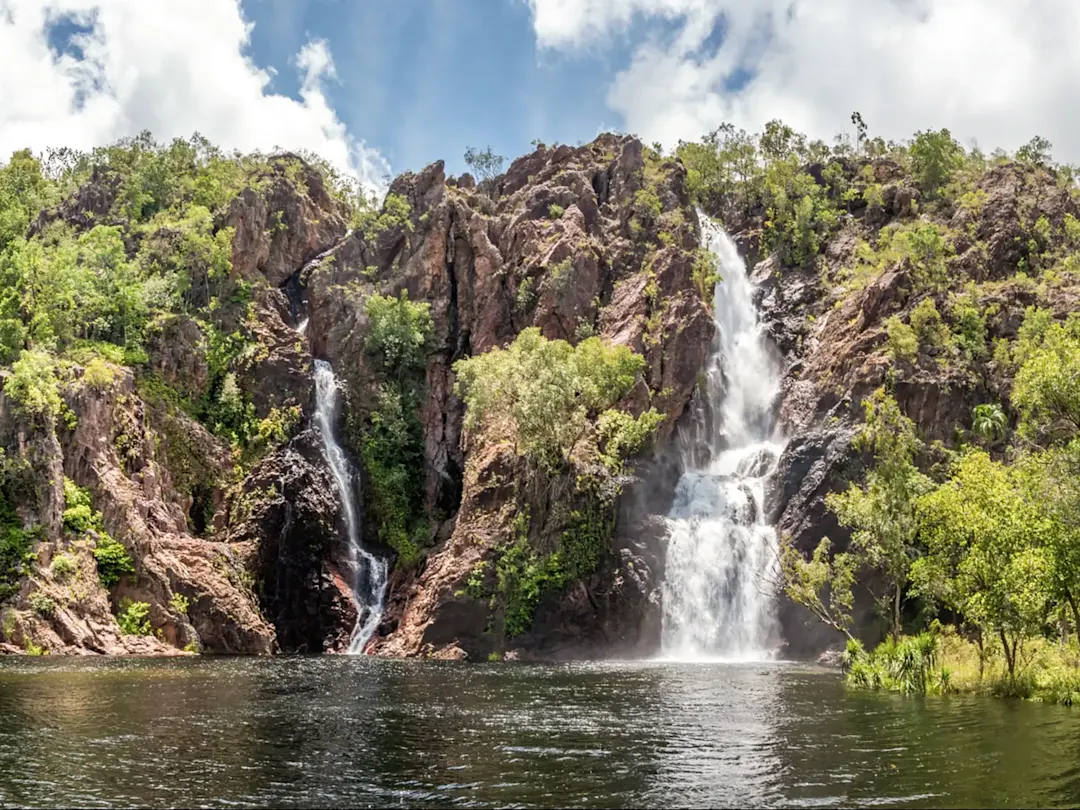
163, 487
199, 457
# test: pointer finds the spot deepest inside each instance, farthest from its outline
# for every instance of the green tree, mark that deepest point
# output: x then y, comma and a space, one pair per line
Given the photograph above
860, 130
935, 156
985, 557
988, 422
33, 385
399, 331
882, 511
24, 192
486, 163
545, 395
1035, 152
821, 583
1046, 390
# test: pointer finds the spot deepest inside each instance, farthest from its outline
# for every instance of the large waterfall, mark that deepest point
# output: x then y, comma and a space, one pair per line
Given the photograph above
717, 602
368, 573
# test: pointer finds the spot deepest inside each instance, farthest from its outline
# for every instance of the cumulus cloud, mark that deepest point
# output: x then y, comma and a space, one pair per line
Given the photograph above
173, 67
992, 70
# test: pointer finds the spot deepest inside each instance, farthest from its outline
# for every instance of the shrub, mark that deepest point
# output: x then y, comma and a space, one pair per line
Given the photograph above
33, 649
392, 449
706, 273
525, 296
390, 439
556, 211
399, 331
134, 618
61, 567
179, 603
647, 208
935, 156
541, 394
79, 516
42, 604
560, 275
969, 325
926, 321
33, 384
16, 550
903, 343
99, 374
113, 560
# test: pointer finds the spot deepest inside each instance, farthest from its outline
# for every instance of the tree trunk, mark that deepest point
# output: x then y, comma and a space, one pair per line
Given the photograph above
1010, 660
982, 652
1075, 611
896, 614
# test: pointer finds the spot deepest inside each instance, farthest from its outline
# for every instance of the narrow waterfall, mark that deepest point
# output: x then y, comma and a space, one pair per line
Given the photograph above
716, 599
368, 573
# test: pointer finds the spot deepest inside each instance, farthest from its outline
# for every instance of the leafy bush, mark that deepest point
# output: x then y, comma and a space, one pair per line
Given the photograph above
42, 604
907, 665
1047, 385
969, 325
392, 449
706, 273
647, 208
179, 603
99, 374
33, 384
928, 326
372, 222
134, 618
16, 551
525, 296
113, 560
800, 214
903, 343
390, 439
541, 394
935, 156
399, 331
61, 567
556, 211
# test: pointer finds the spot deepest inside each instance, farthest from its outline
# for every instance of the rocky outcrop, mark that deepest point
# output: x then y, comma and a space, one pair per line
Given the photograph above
289, 510
284, 219
833, 340
107, 446
565, 241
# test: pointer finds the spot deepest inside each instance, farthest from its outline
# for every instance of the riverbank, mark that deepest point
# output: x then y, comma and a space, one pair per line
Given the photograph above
945, 663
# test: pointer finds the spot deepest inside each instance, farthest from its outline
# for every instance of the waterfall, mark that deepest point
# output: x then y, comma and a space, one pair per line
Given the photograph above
717, 602
368, 573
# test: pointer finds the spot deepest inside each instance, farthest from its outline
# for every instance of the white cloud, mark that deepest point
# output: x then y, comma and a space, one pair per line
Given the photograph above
171, 66
994, 70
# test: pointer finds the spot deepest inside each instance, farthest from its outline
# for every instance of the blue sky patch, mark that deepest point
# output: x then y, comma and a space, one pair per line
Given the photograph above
421, 80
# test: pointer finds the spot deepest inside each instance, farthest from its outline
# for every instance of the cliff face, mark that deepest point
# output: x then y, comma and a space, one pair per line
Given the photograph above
227, 511
559, 243
831, 318
175, 495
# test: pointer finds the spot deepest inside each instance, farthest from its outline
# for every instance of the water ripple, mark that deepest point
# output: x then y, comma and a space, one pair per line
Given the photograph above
328, 732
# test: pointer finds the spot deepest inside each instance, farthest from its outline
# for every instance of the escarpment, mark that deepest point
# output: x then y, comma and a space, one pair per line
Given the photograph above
175, 471
514, 356
919, 293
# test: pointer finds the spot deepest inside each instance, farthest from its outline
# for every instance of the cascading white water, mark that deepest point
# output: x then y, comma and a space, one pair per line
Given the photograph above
717, 603
367, 572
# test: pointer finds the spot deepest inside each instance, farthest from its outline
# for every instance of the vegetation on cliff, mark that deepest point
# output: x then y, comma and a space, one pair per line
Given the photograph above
933, 268
556, 405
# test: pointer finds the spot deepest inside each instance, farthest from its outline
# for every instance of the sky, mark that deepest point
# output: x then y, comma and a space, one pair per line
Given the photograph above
378, 87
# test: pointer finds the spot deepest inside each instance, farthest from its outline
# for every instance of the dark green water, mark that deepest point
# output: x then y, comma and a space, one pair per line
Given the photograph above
338, 731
